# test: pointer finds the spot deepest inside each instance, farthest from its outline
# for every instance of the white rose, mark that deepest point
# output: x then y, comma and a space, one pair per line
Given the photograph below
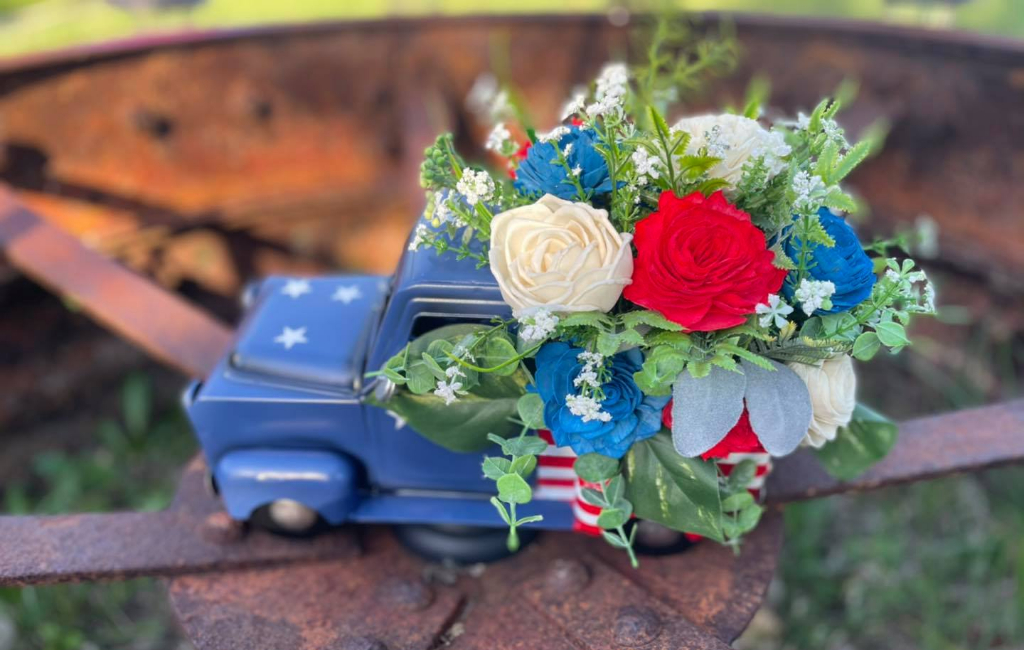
736, 140
559, 255
832, 385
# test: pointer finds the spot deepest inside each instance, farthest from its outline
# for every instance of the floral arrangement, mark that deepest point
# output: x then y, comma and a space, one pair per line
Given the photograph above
687, 298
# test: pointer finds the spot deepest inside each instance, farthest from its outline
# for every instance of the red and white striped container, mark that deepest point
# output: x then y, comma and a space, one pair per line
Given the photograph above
557, 481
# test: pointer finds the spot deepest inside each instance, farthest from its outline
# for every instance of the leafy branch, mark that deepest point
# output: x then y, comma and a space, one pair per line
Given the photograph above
616, 510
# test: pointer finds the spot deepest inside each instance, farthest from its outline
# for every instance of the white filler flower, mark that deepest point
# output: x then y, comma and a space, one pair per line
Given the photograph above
735, 139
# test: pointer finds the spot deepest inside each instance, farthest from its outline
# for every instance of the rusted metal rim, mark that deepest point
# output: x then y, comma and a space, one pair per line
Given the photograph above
955, 42
564, 591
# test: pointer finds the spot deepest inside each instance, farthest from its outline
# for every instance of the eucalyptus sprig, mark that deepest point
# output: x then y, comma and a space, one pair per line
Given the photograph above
610, 496
740, 510
510, 474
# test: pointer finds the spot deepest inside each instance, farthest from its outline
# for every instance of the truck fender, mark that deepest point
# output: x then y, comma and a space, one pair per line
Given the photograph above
322, 480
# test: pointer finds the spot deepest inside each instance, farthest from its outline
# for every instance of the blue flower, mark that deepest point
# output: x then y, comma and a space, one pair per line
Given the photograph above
845, 265
634, 416
541, 173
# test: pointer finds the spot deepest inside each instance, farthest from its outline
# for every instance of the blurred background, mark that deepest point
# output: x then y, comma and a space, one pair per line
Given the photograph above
204, 143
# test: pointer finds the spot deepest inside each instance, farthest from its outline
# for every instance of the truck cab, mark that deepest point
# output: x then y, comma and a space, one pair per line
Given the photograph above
283, 419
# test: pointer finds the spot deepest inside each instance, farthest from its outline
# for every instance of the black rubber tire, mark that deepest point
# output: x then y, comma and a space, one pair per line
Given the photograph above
460, 544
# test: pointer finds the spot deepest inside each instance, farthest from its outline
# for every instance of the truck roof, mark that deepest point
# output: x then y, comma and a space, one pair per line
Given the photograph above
426, 267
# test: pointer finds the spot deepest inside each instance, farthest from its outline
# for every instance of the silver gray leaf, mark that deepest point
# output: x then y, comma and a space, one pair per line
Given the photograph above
779, 407
705, 409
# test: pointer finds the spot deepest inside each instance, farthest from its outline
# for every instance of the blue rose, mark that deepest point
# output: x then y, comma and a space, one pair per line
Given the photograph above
634, 416
538, 175
845, 265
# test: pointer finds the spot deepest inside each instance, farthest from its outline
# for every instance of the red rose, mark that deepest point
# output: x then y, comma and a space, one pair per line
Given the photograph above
702, 263
741, 439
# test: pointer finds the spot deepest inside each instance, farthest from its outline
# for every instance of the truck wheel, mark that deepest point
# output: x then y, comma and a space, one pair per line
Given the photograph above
654, 539
460, 544
287, 517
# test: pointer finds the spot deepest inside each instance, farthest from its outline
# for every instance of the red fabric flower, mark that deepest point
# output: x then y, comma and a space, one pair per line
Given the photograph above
519, 155
741, 439
702, 263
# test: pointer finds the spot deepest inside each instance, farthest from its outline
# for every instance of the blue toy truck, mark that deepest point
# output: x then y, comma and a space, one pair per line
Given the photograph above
283, 419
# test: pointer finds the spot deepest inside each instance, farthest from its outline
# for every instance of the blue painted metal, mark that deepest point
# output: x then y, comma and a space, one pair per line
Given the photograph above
301, 410
322, 480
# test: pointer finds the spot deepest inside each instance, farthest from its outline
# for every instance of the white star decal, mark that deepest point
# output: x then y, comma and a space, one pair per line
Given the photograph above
296, 288
290, 337
347, 294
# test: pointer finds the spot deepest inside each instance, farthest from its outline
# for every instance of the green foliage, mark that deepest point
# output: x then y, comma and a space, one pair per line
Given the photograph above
441, 164
679, 62
740, 511
511, 479
490, 396
681, 493
595, 468
866, 440
131, 463
616, 509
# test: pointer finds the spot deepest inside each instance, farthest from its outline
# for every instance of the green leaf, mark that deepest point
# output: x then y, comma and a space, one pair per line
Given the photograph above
614, 539
675, 340
661, 367
893, 335
853, 157
746, 354
595, 468
866, 346
737, 502
531, 410
500, 507
523, 446
612, 518
524, 465
461, 426
678, 492
699, 369
585, 319
651, 318
498, 350
495, 467
859, 445
421, 379
631, 338
615, 490
594, 498
432, 365
532, 519
741, 475
748, 518
513, 488
608, 343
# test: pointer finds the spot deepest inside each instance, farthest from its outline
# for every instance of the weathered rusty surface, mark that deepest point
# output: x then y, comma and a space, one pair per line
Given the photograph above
167, 327
305, 143
963, 441
302, 143
193, 536
377, 600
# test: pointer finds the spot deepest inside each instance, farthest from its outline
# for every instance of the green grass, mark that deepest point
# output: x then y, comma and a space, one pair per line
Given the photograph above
33, 26
132, 463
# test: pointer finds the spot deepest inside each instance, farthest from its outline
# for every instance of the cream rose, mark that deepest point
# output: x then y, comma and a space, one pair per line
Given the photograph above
832, 385
735, 139
559, 255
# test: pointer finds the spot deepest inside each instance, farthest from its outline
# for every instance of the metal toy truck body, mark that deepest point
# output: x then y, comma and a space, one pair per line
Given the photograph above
284, 418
